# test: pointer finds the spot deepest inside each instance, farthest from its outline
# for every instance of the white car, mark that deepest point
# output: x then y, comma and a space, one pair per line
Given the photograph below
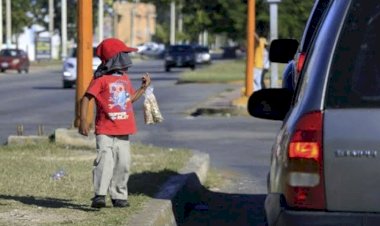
202, 55
69, 73
151, 49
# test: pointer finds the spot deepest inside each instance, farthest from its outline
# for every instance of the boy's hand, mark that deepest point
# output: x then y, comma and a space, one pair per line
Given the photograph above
83, 128
145, 80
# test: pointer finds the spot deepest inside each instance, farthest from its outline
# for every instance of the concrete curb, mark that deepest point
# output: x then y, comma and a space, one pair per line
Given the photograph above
73, 138
23, 140
169, 205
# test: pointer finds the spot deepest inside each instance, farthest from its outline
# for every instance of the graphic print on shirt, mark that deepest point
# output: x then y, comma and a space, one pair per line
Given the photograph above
119, 98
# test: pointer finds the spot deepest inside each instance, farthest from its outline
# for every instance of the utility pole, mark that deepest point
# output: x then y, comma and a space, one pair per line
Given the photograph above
84, 49
1, 24
8, 22
172, 23
100, 20
273, 35
243, 100
64, 27
250, 47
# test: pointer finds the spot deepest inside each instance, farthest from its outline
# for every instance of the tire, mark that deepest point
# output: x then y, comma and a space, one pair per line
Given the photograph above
167, 69
67, 85
192, 67
2, 70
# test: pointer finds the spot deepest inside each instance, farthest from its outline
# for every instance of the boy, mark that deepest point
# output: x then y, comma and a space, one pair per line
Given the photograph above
115, 121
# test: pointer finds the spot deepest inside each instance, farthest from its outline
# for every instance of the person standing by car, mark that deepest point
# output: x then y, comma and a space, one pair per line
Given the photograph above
115, 121
258, 65
266, 66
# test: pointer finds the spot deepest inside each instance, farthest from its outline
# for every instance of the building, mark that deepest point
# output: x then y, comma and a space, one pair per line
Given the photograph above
134, 23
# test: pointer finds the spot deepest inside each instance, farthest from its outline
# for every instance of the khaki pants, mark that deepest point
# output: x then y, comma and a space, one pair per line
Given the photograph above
111, 166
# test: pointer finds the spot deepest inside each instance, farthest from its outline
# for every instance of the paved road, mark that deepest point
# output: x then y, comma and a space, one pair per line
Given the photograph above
237, 145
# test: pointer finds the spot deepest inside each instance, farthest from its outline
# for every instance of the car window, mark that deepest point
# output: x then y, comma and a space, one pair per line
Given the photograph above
313, 23
9, 52
354, 80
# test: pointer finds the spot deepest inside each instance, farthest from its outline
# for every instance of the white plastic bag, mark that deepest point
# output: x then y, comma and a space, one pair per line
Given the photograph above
152, 114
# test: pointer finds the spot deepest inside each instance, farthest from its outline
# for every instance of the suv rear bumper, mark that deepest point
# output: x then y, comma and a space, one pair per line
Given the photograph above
278, 215
314, 218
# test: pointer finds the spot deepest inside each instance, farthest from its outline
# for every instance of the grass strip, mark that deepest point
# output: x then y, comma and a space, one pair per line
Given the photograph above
29, 195
217, 72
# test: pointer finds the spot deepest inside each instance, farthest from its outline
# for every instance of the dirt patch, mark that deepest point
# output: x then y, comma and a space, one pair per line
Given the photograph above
33, 217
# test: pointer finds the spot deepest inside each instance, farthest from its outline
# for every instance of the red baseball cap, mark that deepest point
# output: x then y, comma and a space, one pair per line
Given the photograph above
109, 47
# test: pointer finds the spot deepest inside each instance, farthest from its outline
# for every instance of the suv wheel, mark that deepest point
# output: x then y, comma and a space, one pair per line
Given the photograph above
67, 85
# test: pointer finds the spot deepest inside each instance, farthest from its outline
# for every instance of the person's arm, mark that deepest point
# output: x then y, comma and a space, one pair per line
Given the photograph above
144, 84
83, 125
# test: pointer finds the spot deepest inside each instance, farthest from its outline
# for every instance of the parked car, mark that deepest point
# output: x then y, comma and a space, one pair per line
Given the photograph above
180, 56
294, 67
202, 55
69, 73
326, 157
14, 59
151, 49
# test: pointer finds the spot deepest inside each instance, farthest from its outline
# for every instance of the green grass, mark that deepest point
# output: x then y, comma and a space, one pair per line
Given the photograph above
28, 194
217, 72
223, 72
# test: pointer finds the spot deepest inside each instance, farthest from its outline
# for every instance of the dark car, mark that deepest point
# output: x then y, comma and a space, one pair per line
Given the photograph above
14, 59
294, 67
325, 161
180, 56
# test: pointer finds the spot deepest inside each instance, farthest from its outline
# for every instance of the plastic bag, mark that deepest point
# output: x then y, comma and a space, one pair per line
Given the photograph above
152, 114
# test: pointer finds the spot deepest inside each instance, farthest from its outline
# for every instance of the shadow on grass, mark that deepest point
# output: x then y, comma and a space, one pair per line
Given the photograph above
195, 205
47, 202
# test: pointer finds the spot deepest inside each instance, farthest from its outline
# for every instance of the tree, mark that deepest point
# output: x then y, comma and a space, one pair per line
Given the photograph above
20, 18
293, 15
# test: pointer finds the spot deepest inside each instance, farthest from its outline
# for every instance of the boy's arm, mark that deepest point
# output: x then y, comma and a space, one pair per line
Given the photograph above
83, 125
144, 84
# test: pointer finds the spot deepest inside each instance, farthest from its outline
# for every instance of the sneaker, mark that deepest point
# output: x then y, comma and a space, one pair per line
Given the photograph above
99, 201
120, 203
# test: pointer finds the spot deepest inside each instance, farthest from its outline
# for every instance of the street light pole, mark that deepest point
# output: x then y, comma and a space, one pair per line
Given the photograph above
1, 23
273, 35
64, 27
100, 20
8, 22
172, 23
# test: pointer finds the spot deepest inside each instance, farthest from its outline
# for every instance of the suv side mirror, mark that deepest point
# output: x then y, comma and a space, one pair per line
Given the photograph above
282, 50
270, 103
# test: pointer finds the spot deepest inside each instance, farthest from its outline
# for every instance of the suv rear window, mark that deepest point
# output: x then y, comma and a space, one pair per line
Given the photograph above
355, 73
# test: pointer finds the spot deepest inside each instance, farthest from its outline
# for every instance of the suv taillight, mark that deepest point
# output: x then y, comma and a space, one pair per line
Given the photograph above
300, 62
305, 182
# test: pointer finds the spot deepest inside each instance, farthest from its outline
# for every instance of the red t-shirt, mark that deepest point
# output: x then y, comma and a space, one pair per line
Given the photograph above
114, 111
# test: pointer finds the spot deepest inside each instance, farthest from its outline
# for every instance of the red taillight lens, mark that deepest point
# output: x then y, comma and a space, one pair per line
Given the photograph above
307, 150
305, 183
300, 62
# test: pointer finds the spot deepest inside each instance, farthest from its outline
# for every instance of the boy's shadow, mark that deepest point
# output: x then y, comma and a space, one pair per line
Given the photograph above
47, 202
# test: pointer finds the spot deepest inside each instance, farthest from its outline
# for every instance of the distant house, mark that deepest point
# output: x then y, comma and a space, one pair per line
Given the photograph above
134, 23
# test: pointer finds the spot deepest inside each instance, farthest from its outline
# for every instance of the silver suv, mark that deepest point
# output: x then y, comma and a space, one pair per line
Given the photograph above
325, 162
